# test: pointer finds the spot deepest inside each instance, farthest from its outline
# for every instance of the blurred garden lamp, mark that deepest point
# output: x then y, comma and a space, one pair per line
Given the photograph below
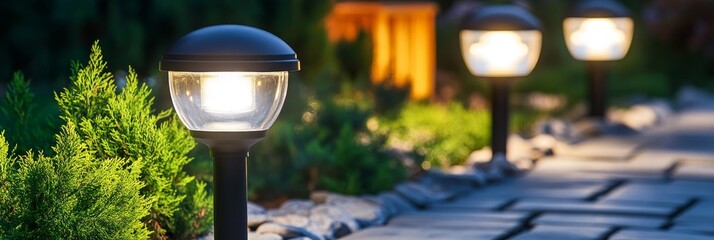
598, 31
228, 84
500, 43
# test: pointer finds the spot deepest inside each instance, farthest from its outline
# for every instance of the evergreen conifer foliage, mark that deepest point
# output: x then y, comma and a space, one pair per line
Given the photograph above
24, 125
122, 124
71, 195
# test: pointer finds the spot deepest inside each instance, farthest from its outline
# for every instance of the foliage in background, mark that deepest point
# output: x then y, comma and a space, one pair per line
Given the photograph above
444, 135
195, 215
24, 124
331, 149
41, 37
681, 40
71, 195
326, 145
355, 57
123, 125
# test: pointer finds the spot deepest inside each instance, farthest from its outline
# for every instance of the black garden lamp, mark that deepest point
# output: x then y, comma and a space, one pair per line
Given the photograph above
596, 32
500, 43
228, 84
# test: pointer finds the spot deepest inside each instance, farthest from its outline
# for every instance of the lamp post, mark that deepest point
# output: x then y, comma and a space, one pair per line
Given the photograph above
228, 84
500, 43
598, 31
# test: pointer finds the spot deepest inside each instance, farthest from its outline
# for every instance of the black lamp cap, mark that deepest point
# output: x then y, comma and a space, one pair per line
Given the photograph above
230, 48
229, 142
501, 18
598, 9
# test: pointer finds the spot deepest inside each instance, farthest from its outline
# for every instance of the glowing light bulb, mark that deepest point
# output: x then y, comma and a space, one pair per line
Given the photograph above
598, 35
227, 93
598, 38
502, 51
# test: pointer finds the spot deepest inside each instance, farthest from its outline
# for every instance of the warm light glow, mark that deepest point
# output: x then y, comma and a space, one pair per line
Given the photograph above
228, 101
598, 39
503, 50
598, 34
217, 126
228, 93
403, 40
500, 53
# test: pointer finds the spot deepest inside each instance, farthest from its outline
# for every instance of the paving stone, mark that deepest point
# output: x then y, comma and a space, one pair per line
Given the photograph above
649, 192
681, 141
613, 175
692, 188
567, 180
666, 204
465, 215
522, 189
656, 235
600, 220
700, 211
570, 206
693, 120
692, 171
395, 202
470, 204
639, 168
676, 154
455, 223
703, 160
539, 174
697, 226
423, 232
547, 232
615, 148
555, 193
420, 194
451, 180
653, 160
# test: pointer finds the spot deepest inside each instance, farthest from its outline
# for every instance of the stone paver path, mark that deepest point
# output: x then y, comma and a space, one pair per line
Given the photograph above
655, 185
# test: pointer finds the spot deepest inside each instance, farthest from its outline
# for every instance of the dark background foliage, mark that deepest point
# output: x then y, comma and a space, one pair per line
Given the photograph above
672, 44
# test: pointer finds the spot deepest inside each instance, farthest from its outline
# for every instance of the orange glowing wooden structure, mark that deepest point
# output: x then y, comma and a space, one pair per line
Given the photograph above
403, 39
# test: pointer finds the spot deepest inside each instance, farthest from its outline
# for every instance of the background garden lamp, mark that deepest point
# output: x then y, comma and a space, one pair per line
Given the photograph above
597, 31
500, 43
228, 84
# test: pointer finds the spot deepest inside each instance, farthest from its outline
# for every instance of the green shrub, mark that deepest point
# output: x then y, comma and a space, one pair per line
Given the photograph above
195, 215
123, 125
349, 158
71, 195
24, 124
444, 135
331, 149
